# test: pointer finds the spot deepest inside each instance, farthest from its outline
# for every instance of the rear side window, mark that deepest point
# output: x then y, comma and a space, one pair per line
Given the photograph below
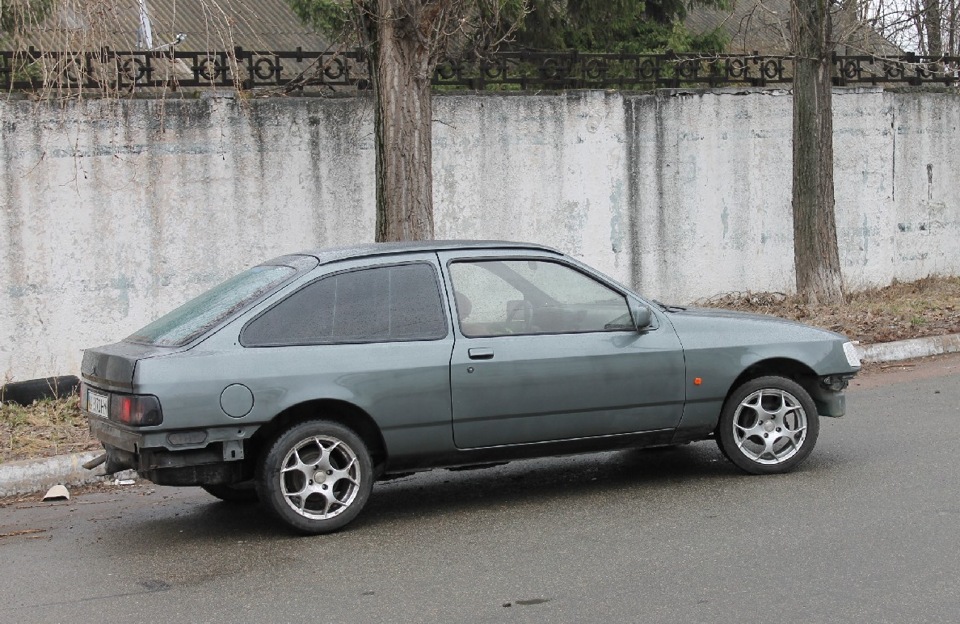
196, 316
382, 304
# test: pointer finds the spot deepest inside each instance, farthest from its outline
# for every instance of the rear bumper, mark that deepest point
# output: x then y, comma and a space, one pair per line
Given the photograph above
192, 457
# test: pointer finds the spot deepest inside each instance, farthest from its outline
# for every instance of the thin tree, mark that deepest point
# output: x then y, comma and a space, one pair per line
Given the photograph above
927, 27
816, 256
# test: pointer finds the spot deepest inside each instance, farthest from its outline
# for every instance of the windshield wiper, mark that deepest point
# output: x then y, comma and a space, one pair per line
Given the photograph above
667, 307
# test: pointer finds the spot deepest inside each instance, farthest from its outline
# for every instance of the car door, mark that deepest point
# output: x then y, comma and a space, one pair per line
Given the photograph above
545, 351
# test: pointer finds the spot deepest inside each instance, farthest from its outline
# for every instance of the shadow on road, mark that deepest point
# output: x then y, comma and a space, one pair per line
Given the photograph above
646, 475
185, 514
564, 480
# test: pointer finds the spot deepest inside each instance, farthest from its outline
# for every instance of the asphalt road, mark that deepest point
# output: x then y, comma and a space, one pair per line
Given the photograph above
868, 530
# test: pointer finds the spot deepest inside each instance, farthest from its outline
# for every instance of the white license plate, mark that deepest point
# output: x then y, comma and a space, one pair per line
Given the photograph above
98, 404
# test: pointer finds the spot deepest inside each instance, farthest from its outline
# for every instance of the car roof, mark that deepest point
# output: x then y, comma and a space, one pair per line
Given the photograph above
333, 254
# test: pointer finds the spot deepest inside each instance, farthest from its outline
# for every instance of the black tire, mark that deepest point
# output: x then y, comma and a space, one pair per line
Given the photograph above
768, 425
239, 493
294, 464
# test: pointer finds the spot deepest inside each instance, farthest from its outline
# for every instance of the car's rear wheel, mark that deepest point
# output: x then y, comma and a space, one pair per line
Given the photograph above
768, 425
239, 493
316, 477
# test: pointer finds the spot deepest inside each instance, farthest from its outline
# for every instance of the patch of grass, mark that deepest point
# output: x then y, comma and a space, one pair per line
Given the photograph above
43, 429
926, 307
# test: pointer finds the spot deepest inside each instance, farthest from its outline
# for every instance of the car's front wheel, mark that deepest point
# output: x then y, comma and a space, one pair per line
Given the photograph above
316, 477
768, 425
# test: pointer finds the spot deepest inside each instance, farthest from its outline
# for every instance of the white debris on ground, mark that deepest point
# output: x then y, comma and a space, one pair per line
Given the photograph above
57, 492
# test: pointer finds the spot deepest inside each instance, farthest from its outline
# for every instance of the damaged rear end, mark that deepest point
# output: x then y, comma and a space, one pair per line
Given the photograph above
144, 428
129, 421
119, 415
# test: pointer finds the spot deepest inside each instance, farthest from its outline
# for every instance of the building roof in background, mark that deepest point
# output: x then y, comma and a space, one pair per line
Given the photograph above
764, 26
268, 25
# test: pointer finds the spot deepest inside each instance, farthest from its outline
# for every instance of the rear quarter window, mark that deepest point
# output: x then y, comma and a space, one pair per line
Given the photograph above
206, 311
381, 304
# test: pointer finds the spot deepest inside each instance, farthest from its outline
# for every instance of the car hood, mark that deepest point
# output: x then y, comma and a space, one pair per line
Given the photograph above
779, 328
717, 340
720, 313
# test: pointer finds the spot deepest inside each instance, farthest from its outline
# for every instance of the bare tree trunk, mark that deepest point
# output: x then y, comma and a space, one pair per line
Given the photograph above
816, 257
401, 68
932, 23
952, 48
404, 40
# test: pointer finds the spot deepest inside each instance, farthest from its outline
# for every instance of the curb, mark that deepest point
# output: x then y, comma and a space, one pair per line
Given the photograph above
29, 476
908, 349
34, 475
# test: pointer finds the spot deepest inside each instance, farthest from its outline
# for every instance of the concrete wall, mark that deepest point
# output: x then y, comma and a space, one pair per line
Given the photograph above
112, 213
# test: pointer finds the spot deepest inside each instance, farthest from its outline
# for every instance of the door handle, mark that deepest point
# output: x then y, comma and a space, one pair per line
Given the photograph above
480, 354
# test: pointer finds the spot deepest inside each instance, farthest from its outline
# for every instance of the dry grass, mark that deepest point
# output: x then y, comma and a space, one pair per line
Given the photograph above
926, 307
44, 429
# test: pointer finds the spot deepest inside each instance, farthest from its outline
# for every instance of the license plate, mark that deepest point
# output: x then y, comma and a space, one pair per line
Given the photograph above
98, 404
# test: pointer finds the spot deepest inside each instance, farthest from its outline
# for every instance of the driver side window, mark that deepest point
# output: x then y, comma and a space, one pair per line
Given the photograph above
522, 297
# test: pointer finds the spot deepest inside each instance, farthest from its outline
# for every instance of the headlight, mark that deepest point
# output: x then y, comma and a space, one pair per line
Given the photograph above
850, 350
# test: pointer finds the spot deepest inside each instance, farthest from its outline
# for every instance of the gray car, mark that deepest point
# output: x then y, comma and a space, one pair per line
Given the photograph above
305, 379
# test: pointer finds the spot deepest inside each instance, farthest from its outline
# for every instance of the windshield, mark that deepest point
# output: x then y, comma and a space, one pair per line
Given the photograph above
196, 316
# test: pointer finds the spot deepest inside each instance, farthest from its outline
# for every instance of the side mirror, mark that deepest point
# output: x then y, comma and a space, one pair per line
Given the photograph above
642, 316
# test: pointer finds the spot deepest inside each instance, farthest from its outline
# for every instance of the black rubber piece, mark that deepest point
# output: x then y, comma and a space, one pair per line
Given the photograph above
26, 392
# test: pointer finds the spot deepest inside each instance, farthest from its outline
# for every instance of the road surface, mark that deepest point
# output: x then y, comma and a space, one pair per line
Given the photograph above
867, 530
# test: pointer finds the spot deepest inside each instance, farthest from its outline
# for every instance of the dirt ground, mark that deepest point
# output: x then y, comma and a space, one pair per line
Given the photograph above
927, 307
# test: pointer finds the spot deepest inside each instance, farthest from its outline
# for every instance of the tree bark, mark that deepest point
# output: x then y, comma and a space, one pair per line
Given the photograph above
401, 68
816, 257
933, 23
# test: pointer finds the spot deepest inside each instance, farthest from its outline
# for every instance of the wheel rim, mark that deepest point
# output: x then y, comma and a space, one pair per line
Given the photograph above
320, 477
770, 426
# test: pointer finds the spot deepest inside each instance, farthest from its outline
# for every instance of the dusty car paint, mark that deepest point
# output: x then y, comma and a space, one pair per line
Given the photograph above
452, 399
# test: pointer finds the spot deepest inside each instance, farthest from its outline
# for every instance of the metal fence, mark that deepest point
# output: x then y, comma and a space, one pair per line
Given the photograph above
299, 70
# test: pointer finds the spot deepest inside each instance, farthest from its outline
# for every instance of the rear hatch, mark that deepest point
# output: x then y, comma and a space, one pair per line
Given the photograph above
111, 366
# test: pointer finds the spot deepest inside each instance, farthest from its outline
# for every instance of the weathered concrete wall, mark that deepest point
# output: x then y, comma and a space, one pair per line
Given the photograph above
112, 213
712, 198
115, 212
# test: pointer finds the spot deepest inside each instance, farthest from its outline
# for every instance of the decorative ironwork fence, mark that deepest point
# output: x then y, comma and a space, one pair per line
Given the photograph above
34, 70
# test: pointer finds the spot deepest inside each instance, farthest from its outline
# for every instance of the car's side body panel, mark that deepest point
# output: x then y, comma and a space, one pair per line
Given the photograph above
598, 384
452, 399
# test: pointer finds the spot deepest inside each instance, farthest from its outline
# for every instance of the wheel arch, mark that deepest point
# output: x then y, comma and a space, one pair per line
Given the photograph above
782, 367
334, 410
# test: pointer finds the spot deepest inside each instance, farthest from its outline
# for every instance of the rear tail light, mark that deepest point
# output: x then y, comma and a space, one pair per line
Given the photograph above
136, 410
